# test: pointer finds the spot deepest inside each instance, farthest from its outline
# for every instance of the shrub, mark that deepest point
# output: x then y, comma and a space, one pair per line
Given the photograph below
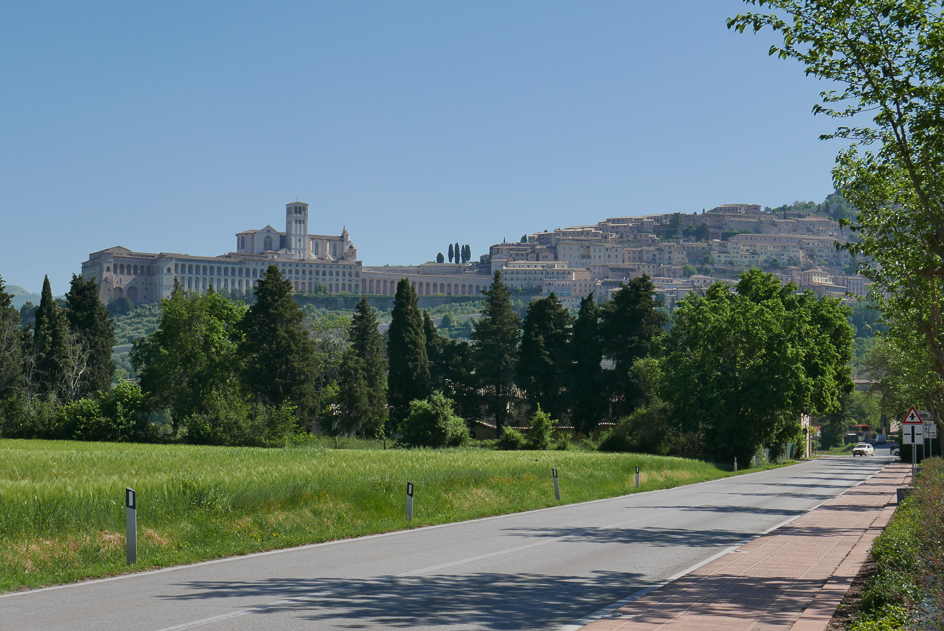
232, 420
82, 420
28, 418
512, 440
542, 427
432, 423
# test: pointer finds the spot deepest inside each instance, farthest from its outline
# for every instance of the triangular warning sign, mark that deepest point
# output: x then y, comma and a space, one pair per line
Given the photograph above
912, 418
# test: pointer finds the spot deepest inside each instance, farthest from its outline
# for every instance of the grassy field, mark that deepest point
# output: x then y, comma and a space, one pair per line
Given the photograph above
62, 515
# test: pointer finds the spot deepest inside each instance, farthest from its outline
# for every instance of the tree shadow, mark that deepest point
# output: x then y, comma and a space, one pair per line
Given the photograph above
485, 600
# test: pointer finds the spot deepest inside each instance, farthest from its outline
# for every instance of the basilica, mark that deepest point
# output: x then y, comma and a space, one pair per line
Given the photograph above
311, 262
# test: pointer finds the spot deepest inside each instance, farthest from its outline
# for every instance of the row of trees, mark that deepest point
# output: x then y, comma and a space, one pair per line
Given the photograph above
458, 254
63, 354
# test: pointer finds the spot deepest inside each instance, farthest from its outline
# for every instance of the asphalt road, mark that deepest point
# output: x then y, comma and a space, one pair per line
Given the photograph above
539, 570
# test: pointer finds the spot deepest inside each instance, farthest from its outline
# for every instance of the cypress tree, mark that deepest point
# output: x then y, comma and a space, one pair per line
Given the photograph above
91, 323
543, 358
450, 253
458, 253
50, 337
434, 352
588, 394
11, 349
628, 324
440, 258
363, 378
495, 348
281, 364
406, 352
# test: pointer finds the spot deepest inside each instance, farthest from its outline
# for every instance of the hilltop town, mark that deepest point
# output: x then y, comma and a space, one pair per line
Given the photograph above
680, 252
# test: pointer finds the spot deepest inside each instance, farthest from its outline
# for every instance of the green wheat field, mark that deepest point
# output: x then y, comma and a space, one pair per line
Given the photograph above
62, 515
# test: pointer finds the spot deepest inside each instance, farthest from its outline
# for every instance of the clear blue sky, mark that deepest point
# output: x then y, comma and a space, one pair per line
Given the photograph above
171, 126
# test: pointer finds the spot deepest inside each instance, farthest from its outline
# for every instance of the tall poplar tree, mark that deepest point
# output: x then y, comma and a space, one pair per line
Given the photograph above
91, 323
363, 378
50, 340
11, 349
588, 393
281, 363
543, 357
406, 352
495, 348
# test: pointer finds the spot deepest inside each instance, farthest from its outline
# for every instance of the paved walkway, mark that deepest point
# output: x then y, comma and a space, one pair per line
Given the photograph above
792, 578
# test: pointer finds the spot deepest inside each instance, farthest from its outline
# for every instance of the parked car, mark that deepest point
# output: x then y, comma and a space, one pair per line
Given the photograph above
896, 451
863, 449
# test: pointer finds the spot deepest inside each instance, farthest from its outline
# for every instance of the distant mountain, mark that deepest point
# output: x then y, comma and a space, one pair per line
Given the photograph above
21, 296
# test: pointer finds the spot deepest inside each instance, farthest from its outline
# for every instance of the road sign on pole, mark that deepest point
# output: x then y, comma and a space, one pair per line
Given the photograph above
913, 435
912, 418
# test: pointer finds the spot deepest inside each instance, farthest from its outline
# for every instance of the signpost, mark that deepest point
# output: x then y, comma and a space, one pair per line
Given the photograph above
930, 432
913, 434
556, 483
409, 500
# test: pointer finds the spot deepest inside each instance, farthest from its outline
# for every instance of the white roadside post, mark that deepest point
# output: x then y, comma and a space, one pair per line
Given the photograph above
131, 526
735, 464
556, 483
637, 476
409, 500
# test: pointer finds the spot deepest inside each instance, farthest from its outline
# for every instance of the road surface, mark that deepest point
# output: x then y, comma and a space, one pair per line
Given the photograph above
539, 570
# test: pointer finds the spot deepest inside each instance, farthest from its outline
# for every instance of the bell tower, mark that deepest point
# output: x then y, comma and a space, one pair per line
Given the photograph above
296, 229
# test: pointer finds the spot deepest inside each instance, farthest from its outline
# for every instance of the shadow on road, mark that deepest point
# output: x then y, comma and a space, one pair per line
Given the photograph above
487, 600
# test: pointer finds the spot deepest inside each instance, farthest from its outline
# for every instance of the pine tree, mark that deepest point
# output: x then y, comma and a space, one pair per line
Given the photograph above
543, 357
363, 378
11, 348
50, 340
628, 324
585, 382
495, 348
94, 328
406, 352
281, 363
450, 253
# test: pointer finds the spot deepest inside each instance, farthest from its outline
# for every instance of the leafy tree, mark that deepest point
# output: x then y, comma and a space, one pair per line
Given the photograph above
192, 354
450, 253
544, 354
524, 238
50, 345
585, 379
628, 324
440, 258
406, 351
886, 57
363, 379
495, 348
432, 423
741, 367
281, 366
11, 346
92, 325
688, 270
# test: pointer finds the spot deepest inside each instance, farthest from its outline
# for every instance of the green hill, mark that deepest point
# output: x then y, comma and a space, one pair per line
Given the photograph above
21, 296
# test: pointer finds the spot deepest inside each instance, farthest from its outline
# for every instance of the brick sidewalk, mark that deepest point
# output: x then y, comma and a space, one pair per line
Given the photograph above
792, 578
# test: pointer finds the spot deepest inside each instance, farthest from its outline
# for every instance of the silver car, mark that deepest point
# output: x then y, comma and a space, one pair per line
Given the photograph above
863, 449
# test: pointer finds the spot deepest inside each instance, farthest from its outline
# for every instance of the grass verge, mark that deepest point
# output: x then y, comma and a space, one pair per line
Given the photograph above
62, 516
906, 590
